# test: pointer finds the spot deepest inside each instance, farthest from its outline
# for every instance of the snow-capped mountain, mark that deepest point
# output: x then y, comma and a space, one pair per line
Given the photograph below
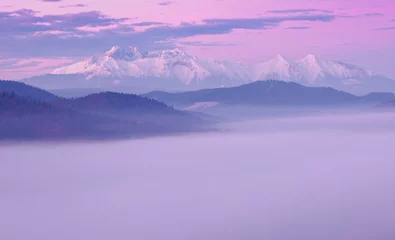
122, 63
177, 70
168, 64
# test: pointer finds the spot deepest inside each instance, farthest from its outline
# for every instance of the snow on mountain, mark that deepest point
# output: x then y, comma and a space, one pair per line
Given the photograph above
182, 71
278, 68
312, 69
124, 63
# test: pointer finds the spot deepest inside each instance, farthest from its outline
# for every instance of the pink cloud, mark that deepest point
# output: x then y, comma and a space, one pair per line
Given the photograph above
23, 68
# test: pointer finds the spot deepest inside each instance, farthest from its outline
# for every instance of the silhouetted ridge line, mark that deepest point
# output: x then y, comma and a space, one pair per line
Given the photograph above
25, 90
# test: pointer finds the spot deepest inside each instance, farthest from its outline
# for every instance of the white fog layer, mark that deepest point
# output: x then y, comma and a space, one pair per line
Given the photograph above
307, 178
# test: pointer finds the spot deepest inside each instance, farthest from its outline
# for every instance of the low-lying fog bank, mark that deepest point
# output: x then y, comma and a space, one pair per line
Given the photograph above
306, 178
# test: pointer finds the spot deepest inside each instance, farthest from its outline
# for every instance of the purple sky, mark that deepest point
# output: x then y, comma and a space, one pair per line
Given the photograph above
39, 35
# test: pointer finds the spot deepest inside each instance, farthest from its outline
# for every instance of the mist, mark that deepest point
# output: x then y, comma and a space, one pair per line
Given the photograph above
300, 178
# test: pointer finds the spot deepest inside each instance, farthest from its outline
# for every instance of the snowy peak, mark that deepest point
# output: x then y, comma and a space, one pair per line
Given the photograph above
310, 68
315, 69
167, 54
129, 54
310, 62
310, 58
279, 62
113, 50
132, 53
280, 59
277, 68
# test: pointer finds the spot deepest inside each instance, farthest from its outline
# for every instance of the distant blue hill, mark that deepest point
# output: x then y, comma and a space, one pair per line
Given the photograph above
269, 93
387, 105
97, 116
378, 97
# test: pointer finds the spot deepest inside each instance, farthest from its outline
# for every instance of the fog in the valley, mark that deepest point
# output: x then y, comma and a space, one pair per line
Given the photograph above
307, 178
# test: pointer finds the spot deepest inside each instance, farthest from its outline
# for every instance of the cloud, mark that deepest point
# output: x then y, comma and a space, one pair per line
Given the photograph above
298, 28
264, 22
19, 68
27, 64
23, 22
7, 63
299, 10
166, 3
80, 5
374, 15
385, 28
26, 34
51, 0
11, 64
146, 24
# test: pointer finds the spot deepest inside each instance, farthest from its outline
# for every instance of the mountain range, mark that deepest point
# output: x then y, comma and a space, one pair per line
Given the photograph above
175, 70
269, 98
387, 105
269, 93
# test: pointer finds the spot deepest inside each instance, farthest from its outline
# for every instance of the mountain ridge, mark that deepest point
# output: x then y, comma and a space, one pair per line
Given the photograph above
269, 93
176, 70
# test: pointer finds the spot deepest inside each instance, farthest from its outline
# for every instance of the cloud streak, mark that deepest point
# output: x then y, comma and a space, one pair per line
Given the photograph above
362, 15
80, 5
147, 24
298, 28
166, 3
374, 15
385, 28
25, 21
299, 10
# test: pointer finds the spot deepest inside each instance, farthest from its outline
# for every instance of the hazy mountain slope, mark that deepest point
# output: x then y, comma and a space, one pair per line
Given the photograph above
265, 99
24, 90
378, 97
175, 70
274, 93
387, 105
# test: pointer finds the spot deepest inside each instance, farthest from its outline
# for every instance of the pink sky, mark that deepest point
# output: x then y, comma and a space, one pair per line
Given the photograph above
352, 36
